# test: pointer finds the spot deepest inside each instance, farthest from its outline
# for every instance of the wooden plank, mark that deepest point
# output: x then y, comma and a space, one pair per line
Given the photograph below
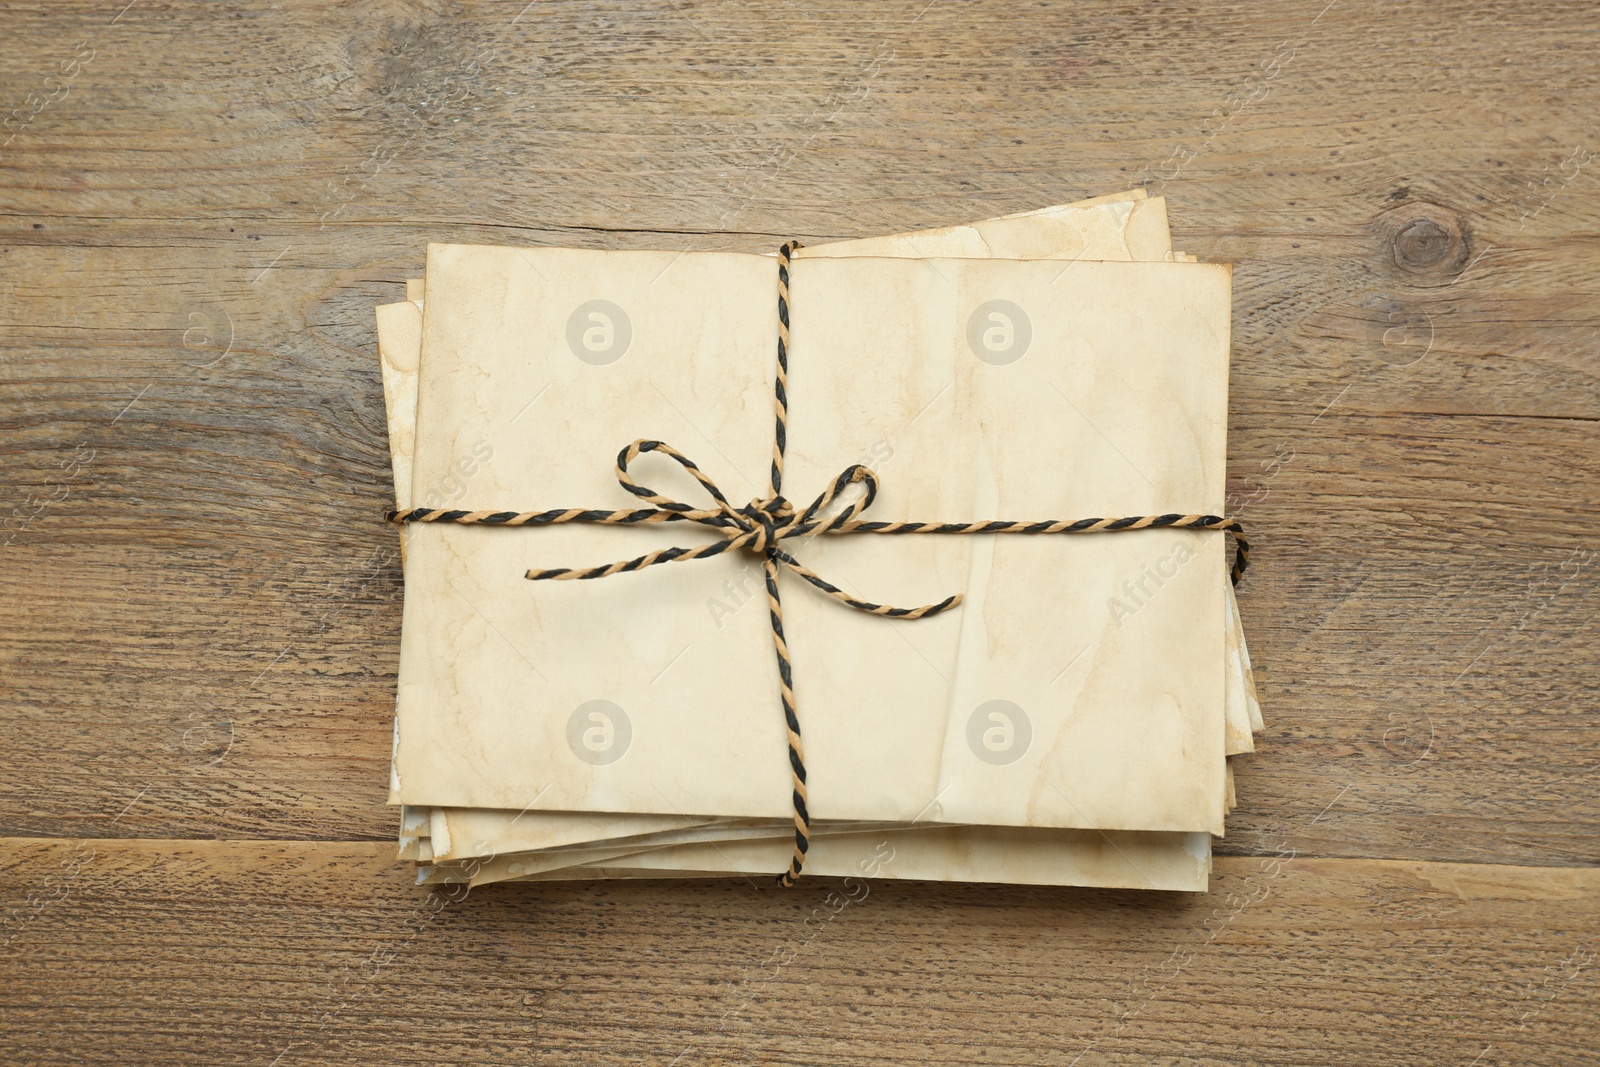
1359, 206
244, 951
1424, 639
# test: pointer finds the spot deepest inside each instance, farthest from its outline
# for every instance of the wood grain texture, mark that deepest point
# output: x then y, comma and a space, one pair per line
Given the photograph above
241, 952
199, 609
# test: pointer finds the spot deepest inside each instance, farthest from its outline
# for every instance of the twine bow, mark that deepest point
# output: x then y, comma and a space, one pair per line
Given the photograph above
759, 527
762, 526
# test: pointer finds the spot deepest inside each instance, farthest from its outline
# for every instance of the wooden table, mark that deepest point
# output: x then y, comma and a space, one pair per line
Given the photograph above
201, 608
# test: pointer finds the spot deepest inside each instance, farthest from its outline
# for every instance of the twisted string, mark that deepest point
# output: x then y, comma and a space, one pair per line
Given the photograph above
772, 555
762, 525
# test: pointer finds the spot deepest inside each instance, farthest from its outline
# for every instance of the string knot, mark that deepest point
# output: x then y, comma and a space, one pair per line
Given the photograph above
770, 520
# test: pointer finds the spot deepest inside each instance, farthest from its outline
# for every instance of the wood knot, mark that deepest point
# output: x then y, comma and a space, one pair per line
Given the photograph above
1421, 244
1426, 241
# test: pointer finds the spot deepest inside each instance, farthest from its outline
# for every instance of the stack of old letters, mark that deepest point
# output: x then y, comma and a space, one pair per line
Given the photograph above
1067, 722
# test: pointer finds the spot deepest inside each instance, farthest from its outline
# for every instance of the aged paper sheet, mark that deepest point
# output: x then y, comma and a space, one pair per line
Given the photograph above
490, 818
501, 293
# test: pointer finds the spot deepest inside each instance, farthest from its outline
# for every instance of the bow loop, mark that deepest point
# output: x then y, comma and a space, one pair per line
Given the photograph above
855, 474
722, 515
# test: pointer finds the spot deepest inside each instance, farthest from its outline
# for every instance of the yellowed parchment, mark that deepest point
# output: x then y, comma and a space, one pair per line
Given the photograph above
1015, 855
416, 295
1147, 701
